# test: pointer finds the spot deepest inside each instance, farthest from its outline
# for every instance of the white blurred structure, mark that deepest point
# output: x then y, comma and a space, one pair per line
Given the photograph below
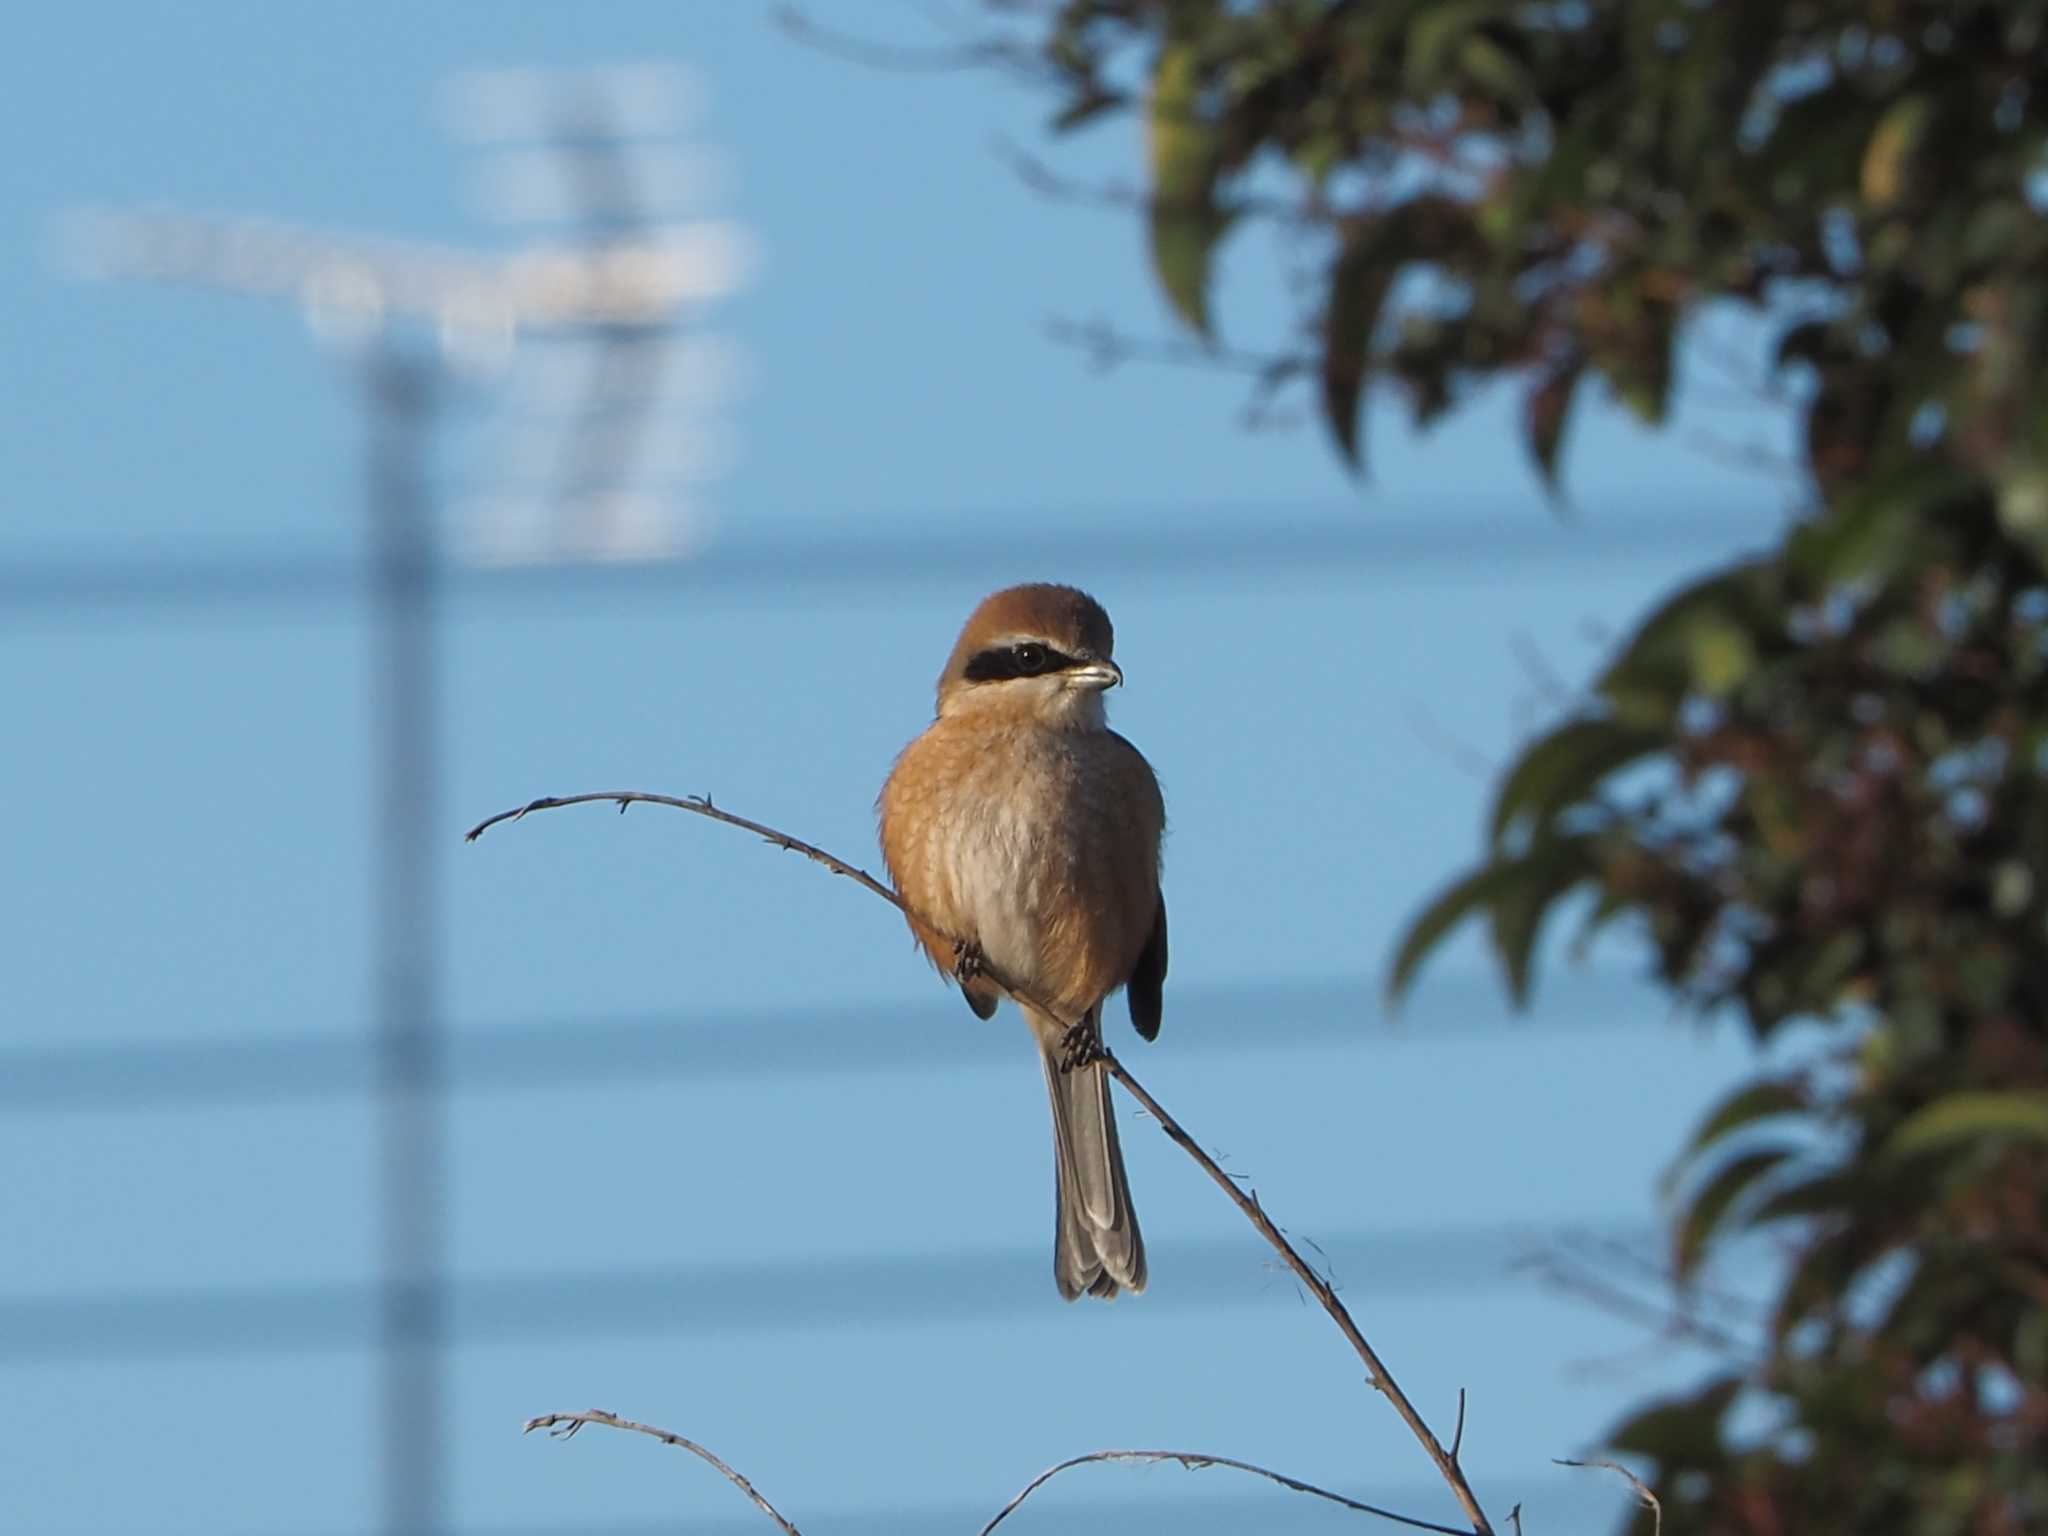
616, 391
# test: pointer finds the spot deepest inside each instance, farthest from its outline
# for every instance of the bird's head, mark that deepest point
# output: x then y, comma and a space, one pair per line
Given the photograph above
1040, 652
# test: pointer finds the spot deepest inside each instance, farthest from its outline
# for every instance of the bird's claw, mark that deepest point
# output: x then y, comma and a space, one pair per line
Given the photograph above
968, 961
1081, 1046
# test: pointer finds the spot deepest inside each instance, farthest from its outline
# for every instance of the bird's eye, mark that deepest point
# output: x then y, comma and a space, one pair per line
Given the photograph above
1031, 658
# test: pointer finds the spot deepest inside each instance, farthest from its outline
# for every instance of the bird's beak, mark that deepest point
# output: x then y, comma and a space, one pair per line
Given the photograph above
1095, 675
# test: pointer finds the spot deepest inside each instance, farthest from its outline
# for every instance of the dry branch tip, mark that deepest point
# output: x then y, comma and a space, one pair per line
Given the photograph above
1649, 1500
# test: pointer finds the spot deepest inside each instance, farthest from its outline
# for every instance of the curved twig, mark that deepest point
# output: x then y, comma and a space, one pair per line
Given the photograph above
1649, 1500
1194, 1461
701, 805
1445, 1461
563, 1426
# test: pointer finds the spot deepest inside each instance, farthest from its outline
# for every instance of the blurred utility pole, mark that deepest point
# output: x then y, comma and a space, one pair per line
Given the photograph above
411, 319
403, 388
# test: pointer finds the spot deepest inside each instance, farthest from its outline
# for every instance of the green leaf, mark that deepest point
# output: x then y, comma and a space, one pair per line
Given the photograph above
1359, 281
1612, 904
1643, 379
1544, 413
1564, 767
1873, 531
1552, 866
1488, 64
1710, 1208
1436, 33
1658, 667
1185, 221
1888, 160
1831, 1190
1744, 1107
1963, 1117
1681, 1431
1429, 228
1809, 341
1821, 1277
1086, 107
1722, 656
1459, 900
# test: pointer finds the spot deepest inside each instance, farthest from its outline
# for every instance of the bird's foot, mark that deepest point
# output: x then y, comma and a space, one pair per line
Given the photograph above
1081, 1045
969, 963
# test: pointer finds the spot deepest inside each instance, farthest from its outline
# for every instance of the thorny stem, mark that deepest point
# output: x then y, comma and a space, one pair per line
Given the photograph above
1445, 1461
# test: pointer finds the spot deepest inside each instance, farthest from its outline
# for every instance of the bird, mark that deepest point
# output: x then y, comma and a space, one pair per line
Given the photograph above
1023, 837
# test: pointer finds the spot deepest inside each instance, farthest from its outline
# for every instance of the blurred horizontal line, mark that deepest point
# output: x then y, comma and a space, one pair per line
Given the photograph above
1093, 1501
60, 589
905, 1290
782, 1044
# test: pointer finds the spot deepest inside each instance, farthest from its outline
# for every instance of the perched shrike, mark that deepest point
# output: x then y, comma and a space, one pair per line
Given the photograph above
1027, 831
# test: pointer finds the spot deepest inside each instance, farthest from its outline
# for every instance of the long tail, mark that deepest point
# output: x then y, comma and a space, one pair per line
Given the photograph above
1096, 1246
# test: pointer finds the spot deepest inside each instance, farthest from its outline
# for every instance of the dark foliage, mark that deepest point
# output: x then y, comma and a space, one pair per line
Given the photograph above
1813, 782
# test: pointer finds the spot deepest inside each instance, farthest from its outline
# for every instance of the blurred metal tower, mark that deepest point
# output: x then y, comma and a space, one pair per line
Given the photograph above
411, 319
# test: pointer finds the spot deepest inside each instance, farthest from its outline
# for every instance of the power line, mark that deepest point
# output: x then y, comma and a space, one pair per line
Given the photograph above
786, 1043
725, 1299
1255, 543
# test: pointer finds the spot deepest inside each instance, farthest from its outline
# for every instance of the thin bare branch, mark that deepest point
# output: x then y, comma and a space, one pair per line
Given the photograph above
563, 1426
1041, 178
1572, 1275
1642, 1489
1555, 694
1325, 1295
1321, 1289
979, 53
1458, 1434
1109, 348
1194, 1461
1447, 744
1756, 458
699, 805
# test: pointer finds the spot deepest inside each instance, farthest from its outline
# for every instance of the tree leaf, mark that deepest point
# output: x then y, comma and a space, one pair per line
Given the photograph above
1435, 34
1655, 671
1544, 412
1429, 229
1086, 107
1872, 531
1710, 1208
1748, 1104
1888, 169
1681, 1431
1963, 1117
1552, 866
1565, 767
1831, 1190
1360, 278
1184, 219
1457, 901
1642, 378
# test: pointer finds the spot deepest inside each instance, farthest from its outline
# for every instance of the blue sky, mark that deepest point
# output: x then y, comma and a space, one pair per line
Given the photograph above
828, 1261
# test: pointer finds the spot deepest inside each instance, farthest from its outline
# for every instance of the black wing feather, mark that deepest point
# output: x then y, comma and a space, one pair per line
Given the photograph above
1148, 981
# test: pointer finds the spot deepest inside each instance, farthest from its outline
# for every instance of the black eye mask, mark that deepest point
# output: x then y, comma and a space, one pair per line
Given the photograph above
1029, 658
